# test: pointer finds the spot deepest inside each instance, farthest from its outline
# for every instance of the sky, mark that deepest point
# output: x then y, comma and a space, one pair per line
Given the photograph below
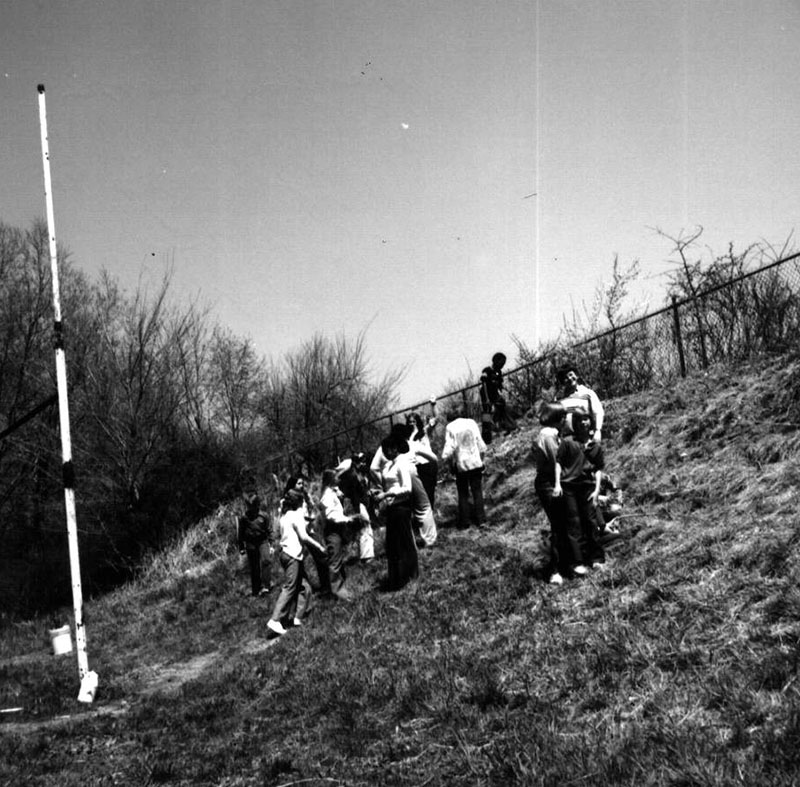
443, 175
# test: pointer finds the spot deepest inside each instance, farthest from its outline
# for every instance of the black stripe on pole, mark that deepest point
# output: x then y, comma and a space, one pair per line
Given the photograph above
58, 334
68, 473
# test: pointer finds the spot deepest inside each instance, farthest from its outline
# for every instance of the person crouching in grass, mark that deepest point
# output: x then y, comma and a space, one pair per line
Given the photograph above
579, 465
292, 603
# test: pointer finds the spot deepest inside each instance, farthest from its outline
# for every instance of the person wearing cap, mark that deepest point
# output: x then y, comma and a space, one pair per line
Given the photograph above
577, 397
253, 535
293, 600
545, 449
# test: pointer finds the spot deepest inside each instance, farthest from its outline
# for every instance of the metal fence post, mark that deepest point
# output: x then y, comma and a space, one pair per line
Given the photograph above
678, 337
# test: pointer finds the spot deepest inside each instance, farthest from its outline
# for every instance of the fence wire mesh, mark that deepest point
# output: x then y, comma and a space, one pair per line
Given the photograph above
737, 315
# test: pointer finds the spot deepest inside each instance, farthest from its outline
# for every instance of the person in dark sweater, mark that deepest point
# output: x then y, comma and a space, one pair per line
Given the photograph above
254, 534
493, 402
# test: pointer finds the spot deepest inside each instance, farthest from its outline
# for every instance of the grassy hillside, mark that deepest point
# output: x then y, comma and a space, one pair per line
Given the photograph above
675, 664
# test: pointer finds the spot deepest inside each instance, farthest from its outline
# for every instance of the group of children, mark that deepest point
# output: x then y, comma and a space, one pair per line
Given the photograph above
570, 479
315, 537
396, 489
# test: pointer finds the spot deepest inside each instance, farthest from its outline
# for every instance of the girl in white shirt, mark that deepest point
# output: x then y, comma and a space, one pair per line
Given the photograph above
295, 594
395, 501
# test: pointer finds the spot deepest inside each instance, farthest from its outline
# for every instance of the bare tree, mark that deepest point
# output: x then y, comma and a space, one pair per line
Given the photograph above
237, 378
325, 387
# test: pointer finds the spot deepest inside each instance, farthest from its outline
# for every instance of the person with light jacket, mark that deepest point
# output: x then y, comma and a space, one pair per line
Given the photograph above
463, 448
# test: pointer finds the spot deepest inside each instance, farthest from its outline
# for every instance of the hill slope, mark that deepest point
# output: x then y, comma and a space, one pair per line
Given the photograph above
675, 664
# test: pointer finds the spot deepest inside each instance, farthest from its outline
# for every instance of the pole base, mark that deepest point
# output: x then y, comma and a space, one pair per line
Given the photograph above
88, 687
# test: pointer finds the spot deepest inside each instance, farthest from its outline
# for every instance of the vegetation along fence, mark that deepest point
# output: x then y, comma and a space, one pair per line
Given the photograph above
730, 315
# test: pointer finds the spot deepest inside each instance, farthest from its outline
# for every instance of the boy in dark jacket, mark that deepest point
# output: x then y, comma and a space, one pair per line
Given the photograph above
254, 536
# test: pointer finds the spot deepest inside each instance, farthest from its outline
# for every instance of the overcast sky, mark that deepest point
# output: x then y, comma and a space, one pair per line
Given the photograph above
324, 166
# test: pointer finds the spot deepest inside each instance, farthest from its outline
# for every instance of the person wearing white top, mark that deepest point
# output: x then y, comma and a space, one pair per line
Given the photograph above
464, 447
401, 549
423, 516
338, 530
577, 397
427, 464
292, 602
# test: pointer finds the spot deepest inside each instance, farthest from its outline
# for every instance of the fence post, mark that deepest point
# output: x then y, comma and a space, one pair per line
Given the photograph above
678, 337
703, 331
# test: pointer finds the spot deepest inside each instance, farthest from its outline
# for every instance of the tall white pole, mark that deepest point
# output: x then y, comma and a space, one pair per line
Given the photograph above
537, 303
88, 679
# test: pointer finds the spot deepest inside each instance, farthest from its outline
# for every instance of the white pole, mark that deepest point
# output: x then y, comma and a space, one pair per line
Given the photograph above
88, 679
537, 303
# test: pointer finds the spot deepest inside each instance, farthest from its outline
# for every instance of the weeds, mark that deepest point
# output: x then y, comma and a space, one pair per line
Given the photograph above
676, 664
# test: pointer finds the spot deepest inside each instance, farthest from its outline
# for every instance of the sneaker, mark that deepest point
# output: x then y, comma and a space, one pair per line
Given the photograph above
580, 571
297, 622
264, 591
598, 564
276, 627
556, 579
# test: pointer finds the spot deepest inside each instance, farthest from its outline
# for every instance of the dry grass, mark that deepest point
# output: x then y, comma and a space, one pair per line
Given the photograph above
676, 664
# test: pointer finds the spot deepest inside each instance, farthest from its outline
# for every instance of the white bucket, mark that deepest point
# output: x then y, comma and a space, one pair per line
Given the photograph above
62, 640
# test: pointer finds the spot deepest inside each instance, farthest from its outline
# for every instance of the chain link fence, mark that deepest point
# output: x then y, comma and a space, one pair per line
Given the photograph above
736, 316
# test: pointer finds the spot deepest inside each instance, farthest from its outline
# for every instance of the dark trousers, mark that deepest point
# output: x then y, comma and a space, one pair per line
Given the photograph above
258, 559
402, 558
561, 549
486, 424
336, 546
316, 568
470, 483
502, 418
581, 524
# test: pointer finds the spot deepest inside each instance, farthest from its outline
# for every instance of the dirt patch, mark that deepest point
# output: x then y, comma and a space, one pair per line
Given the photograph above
161, 679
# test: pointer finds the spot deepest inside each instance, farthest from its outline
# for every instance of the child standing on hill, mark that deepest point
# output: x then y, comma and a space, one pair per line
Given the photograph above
579, 465
296, 591
402, 559
464, 447
545, 449
338, 530
254, 534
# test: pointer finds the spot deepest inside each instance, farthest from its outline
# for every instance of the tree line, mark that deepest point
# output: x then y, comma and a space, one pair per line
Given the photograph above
169, 412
